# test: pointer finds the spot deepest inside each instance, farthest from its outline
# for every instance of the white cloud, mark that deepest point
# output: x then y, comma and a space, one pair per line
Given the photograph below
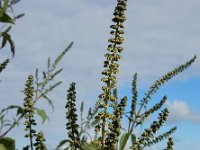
180, 111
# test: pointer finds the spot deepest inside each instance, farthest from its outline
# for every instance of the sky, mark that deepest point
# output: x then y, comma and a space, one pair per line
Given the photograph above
159, 36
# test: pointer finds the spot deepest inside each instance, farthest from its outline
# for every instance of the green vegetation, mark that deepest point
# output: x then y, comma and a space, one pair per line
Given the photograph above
106, 116
7, 20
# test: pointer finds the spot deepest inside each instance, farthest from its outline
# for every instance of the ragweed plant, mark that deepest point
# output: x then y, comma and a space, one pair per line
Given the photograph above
109, 116
29, 110
71, 115
42, 88
106, 117
144, 139
111, 70
139, 113
29, 116
110, 111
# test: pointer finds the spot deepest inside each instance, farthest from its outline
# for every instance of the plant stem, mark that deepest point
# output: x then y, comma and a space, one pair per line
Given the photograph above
12, 126
104, 122
20, 117
31, 138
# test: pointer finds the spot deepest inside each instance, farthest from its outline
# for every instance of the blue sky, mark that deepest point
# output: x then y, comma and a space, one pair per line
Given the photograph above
160, 35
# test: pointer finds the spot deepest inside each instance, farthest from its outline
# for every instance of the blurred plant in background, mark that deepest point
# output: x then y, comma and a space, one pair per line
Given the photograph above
7, 20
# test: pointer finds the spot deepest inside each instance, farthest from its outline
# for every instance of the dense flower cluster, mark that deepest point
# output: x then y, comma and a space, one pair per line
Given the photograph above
39, 145
28, 104
155, 107
148, 134
170, 144
163, 136
111, 68
71, 116
111, 141
29, 109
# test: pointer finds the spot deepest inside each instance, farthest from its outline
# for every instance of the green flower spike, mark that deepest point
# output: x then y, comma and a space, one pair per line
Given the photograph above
111, 69
155, 87
163, 136
71, 116
39, 145
145, 139
170, 144
115, 127
29, 110
135, 96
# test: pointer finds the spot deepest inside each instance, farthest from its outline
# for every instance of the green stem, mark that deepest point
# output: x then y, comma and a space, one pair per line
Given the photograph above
31, 138
104, 119
12, 126
131, 127
37, 97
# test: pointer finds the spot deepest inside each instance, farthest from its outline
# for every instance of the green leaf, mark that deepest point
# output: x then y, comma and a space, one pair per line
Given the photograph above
82, 106
5, 5
20, 110
123, 140
36, 74
49, 63
8, 29
89, 146
51, 87
7, 38
56, 73
6, 18
4, 41
44, 75
2, 147
7, 144
133, 139
62, 143
19, 16
42, 114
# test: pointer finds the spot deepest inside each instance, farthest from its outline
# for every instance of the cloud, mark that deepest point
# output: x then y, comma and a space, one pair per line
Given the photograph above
180, 111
